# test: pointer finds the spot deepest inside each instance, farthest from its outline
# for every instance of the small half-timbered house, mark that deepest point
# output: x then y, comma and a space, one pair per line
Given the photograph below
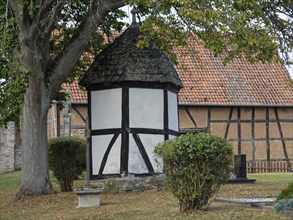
132, 107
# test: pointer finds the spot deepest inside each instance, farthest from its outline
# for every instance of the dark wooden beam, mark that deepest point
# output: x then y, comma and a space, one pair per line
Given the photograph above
281, 135
143, 153
250, 121
209, 120
147, 131
228, 122
105, 157
106, 131
166, 115
239, 129
268, 134
89, 120
253, 135
190, 116
79, 114
125, 134
261, 139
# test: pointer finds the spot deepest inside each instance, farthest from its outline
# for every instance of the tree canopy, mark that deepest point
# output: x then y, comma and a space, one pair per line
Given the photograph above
43, 43
257, 29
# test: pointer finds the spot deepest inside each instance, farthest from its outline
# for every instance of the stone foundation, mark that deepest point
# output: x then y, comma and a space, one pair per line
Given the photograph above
131, 183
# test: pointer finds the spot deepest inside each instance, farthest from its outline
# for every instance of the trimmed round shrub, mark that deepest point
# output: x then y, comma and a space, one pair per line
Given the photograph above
195, 166
67, 159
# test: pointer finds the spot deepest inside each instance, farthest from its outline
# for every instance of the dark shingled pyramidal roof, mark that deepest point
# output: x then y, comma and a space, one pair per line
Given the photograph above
123, 61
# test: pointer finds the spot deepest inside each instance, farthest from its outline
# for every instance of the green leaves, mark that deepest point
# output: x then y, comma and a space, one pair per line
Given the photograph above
12, 79
256, 30
67, 160
196, 165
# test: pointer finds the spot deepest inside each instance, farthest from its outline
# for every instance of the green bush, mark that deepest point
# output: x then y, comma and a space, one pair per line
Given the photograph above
285, 199
195, 165
284, 205
286, 193
67, 159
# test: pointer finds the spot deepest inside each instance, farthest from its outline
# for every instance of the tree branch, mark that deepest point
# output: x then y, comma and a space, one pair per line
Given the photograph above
14, 7
65, 62
45, 18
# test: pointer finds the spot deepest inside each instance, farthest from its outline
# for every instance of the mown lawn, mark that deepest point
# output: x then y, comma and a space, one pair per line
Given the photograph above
139, 205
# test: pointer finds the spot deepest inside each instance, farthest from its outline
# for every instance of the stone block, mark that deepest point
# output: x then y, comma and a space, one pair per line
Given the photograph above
88, 197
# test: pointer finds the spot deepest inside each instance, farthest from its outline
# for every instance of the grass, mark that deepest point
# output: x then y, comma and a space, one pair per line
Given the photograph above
139, 205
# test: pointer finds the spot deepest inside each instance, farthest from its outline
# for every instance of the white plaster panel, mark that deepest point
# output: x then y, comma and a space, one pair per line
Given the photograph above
99, 146
146, 108
172, 111
171, 137
106, 108
150, 141
136, 163
113, 163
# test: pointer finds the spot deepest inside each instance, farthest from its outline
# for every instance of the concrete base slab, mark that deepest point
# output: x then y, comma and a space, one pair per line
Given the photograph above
249, 200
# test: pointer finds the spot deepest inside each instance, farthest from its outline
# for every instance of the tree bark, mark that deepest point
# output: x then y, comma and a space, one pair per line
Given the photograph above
35, 170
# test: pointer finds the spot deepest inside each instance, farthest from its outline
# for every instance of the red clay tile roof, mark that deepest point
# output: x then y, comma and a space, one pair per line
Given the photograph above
207, 81
77, 94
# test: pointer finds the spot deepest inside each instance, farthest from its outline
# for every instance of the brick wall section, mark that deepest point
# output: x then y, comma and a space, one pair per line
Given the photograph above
7, 140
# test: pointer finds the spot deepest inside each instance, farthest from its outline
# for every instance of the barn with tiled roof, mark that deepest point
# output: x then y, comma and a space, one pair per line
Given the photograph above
251, 104
208, 81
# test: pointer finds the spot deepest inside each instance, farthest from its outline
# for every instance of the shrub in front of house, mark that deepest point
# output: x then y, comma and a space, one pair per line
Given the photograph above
67, 159
195, 165
285, 199
286, 193
284, 205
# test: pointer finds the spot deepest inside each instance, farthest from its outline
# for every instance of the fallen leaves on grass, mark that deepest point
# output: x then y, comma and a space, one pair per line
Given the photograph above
140, 205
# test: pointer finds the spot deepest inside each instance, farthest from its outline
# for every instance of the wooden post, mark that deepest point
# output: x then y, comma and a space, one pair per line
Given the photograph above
282, 137
67, 115
253, 137
88, 137
239, 129
268, 135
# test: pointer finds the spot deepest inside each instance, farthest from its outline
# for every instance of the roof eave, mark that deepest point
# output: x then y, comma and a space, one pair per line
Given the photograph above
235, 105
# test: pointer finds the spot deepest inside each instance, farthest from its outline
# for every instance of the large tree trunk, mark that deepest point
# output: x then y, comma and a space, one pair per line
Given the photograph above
35, 178
45, 78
